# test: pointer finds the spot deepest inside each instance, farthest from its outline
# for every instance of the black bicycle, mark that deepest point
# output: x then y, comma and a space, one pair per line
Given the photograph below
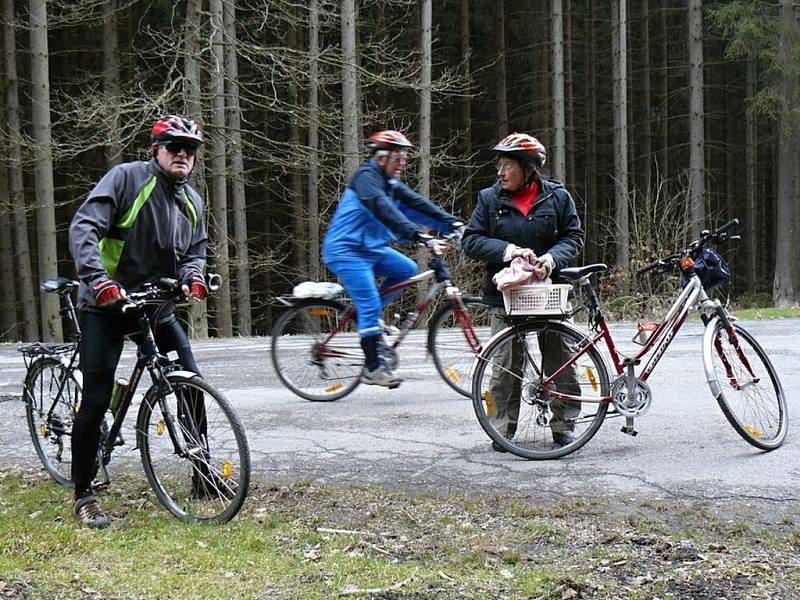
192, 443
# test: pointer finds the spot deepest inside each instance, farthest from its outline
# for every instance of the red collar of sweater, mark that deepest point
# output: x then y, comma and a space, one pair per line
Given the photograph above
523, 199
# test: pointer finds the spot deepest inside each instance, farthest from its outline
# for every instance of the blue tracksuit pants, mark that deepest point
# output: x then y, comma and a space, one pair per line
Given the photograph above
358, 273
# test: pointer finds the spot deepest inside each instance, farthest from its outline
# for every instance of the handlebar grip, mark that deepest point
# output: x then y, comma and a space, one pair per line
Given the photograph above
167, 283
213, 281
650, 267
726, 226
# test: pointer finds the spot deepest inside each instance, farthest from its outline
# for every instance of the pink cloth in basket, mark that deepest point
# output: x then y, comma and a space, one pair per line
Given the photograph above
519, 272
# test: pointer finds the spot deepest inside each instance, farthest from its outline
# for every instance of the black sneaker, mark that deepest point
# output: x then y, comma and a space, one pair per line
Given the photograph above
563, 438
89, 513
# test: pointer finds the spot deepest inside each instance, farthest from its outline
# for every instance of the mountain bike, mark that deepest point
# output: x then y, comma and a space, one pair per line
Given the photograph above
574, 392
192, 443
316, 349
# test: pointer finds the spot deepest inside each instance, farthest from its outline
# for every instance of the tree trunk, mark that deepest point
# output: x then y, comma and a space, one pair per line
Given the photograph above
663, 167
111, 82
350, 116
619, 78
313, 141
569, 104
645, 143
239, 199
750, 161
697, 185
22, 250
592, 215
9, 330
501, 104
784, 287
466, 55
559, 139
298, 215
198, 311
43, 168
222, 299
425, 101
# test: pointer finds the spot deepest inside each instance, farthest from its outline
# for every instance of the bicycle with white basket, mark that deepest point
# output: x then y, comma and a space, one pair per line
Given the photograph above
739, 373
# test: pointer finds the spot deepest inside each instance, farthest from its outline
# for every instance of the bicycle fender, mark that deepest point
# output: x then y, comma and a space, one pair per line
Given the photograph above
182, 375
708, 363
490, 342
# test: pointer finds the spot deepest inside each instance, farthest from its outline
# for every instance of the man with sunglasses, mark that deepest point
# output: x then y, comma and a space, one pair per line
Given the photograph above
141, 222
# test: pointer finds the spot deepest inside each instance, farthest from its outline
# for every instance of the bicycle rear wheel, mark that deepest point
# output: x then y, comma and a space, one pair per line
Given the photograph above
51, 432
204, 474
515, 407
745, 385
309, 359
447, 343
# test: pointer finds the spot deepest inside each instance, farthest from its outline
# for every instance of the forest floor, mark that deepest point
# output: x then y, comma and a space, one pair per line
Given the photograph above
310, 541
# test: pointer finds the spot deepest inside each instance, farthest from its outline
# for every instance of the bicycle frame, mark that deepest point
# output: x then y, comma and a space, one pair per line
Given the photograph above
691, 297
148, 359
437, 270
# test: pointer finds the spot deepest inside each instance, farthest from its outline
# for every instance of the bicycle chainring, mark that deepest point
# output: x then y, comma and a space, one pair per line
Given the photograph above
631, 407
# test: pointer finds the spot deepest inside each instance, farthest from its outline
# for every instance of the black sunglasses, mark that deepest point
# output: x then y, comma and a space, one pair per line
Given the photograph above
176, 147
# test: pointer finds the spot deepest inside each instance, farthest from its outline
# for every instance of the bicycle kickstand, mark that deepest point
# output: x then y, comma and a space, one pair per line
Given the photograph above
103, 480
631, 377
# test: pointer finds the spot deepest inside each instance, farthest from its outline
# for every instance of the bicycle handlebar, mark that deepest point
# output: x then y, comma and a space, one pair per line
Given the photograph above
720, 234
164, 290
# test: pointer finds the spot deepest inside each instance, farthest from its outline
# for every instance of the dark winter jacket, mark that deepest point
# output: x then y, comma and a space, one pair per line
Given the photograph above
375, 210
137, 225
552, 226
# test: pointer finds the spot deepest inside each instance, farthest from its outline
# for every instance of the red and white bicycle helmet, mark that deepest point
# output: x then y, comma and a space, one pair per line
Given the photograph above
176, 128
522, 146
388, 139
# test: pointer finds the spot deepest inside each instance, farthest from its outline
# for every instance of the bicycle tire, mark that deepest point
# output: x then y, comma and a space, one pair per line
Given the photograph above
296, 355
532, 438
757, 411
210, 485
452, 355
52, 439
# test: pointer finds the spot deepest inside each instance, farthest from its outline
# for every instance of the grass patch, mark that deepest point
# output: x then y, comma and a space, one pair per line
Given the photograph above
768, 313
314, 542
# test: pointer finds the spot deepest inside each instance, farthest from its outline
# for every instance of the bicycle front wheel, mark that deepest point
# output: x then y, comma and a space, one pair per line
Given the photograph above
449, 346
316, 353
52, 397
745, 385
513, 395
194, 450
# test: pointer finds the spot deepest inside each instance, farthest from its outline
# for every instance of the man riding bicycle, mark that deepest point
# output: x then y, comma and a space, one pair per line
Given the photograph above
376, 209
141, 222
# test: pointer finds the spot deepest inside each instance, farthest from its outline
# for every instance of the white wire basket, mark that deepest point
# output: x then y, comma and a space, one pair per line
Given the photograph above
537, 299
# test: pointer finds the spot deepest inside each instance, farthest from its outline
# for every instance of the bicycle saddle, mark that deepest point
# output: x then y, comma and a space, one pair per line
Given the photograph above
58, 285
575, 273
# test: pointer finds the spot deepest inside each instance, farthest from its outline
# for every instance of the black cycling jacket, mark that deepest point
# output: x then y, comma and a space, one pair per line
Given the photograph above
153, 224
552, 226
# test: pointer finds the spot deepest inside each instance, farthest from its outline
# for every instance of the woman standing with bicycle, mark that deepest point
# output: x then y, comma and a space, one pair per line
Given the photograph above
141, 222
377, 208
525, 215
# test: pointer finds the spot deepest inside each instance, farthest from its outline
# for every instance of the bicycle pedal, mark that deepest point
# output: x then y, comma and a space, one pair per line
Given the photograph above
629, 431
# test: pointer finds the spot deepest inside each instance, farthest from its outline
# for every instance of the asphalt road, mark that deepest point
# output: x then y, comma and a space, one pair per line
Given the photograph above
423, 437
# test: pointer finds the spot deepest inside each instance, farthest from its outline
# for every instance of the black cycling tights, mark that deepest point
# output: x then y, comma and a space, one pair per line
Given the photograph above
101, 347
